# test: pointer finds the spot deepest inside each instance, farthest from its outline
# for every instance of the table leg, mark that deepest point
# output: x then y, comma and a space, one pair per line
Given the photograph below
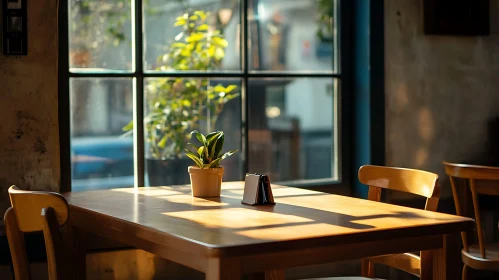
426, 265
223, 269
446, 260
78, 252
268, 275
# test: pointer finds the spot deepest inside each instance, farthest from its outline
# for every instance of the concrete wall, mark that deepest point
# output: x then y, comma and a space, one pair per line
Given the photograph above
29, 132
441, 92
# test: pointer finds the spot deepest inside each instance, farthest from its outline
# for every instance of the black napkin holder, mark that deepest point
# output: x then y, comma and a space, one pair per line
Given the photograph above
257, 190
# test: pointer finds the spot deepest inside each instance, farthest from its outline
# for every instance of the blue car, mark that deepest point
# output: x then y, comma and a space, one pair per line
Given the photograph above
101, 162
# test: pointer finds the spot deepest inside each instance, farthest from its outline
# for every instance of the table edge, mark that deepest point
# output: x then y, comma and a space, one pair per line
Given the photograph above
213, 250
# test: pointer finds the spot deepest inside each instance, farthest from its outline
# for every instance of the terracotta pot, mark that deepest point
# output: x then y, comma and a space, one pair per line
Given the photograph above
206, 182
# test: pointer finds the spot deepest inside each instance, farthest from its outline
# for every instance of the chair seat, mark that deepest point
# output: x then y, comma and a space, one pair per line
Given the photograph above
473, 257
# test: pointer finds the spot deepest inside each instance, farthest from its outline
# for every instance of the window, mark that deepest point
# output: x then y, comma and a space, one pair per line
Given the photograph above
142, 74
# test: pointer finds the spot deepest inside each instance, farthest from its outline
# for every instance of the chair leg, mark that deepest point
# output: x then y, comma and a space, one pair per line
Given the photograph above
465, 272
367, 268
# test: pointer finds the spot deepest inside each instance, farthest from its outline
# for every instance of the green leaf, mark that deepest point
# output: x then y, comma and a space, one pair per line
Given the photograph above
203, 27
200, 150
230, 88
198, 162
180, 23
219, 146
220, 42
219, 88
178, 45
200, 137
219, 53
228, 154
162, 142
206, 155
201, 14
211, 51
189, 152
211, 136
215, 163
212, 150
128, 127
199, 48
231, 96
194, 37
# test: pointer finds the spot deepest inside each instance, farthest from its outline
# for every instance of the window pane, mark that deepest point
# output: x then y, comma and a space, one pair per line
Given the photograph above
175, 107
100, 157
292, 128
292, 35
192, 35
100, 35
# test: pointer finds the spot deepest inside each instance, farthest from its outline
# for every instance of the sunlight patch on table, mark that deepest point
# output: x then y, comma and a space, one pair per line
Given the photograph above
194, 201
156, 191
237, 218
294, 231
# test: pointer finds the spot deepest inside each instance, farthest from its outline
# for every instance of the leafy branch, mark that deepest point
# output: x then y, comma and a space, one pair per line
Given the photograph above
178, 105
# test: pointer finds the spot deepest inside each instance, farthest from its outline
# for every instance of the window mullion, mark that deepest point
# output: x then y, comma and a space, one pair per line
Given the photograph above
138, 112
244, 91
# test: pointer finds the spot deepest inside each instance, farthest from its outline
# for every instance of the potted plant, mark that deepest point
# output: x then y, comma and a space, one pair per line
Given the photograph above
176, 105
206, 176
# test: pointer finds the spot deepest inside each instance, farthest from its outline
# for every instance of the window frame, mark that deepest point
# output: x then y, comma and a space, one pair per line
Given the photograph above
342, 74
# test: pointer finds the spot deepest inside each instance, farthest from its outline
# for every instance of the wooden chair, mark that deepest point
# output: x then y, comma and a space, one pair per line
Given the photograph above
481, 180
412, 181
36, 211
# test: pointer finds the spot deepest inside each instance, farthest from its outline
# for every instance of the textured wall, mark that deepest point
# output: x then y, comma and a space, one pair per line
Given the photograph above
29, 132
441, 91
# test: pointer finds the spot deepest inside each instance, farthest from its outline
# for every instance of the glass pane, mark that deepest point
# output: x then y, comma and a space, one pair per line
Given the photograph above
192, 35
292, 128
175, 107
292, 35
100, 34
101, 156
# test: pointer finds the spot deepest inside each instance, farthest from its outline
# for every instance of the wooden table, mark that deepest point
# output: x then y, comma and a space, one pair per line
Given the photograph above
224, 238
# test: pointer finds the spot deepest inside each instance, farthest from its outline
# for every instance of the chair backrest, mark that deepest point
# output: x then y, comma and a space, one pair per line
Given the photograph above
33, 211
481, 181
412, 181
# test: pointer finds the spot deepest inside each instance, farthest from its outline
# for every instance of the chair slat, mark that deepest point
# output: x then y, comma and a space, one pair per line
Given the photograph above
28, 205
17, 246
400, 179
407, 262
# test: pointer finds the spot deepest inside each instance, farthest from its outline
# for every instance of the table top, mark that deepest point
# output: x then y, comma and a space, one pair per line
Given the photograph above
300, 217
